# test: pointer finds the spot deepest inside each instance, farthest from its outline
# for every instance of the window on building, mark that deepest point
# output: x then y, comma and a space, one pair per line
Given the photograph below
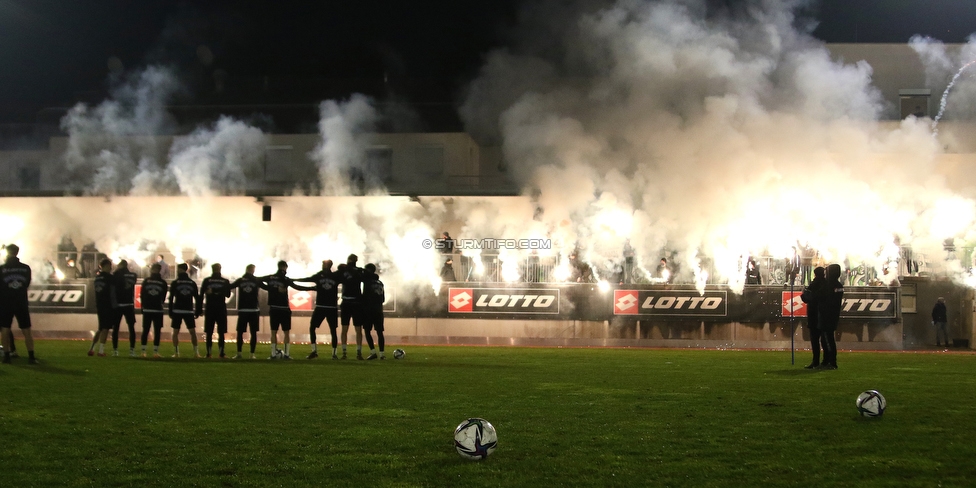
379, 163
430, 160
29, 177
279, 164
915, 102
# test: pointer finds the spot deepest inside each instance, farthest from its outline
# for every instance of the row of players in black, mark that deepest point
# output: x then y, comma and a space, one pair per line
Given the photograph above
183, 301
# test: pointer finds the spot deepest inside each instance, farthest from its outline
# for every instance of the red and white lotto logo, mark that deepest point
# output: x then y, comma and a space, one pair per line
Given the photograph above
795, 304
460, 300
625, 302
300, 300
138, 297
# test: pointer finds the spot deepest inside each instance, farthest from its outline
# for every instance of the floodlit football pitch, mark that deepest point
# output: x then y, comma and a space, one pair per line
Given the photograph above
598, 417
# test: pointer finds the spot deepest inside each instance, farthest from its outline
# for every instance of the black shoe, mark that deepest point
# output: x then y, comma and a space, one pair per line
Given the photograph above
811, 366
31, 360
828, 366
313, 355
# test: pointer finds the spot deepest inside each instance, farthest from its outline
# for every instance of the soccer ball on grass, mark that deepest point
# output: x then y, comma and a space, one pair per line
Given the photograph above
399, 354
475, 439
871, 403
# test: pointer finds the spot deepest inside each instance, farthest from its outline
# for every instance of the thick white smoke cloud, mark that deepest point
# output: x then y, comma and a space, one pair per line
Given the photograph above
345, 128
219, 160
715, 137
116, 148
655, 126
108, 151
108, 145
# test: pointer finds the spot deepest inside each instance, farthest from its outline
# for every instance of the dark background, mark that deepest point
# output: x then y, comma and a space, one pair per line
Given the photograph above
55, 53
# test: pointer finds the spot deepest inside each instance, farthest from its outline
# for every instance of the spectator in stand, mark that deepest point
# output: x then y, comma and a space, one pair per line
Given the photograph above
447, 271
752, 273
66, 252
664, 272
940, 319
628, 263
70, 270
581, 272
445, 243
163, 267
89, 261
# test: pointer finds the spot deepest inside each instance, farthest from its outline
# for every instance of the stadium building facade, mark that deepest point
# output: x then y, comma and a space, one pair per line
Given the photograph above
447, 169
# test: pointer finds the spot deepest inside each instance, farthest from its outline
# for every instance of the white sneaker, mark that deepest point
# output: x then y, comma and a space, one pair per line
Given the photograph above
115, 353
132, 353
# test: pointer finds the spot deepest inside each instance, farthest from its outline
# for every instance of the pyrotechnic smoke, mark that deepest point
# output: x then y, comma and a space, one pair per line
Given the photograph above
341, 154
711, 135
109, 145
945, 74
663, 126
218, 161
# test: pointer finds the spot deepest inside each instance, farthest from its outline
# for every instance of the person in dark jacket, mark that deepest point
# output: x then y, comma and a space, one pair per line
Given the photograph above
214, 292
124, 288
447, 271
829, 303
152, 295
940, 320
15, 277
809, 297
445, 244
248, 312
280, 307
326, 306
104, 305
183, 297
373, 298
752, 273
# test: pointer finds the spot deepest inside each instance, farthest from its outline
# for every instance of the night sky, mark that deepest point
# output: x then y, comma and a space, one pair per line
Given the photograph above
54, 53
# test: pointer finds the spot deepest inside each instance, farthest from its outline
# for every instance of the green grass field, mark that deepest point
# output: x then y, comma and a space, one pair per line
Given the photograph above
594, 417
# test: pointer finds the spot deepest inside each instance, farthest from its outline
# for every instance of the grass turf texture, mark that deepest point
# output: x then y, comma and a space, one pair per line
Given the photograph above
564, 417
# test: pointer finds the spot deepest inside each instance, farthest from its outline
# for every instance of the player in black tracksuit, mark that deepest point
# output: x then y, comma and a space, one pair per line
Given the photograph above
829, 303
215, 290
809, 296
183, 296
15, 277
125, 289
104, 305
279, 307
326, 305
248, 311
373, 298
351, 278
153, 296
